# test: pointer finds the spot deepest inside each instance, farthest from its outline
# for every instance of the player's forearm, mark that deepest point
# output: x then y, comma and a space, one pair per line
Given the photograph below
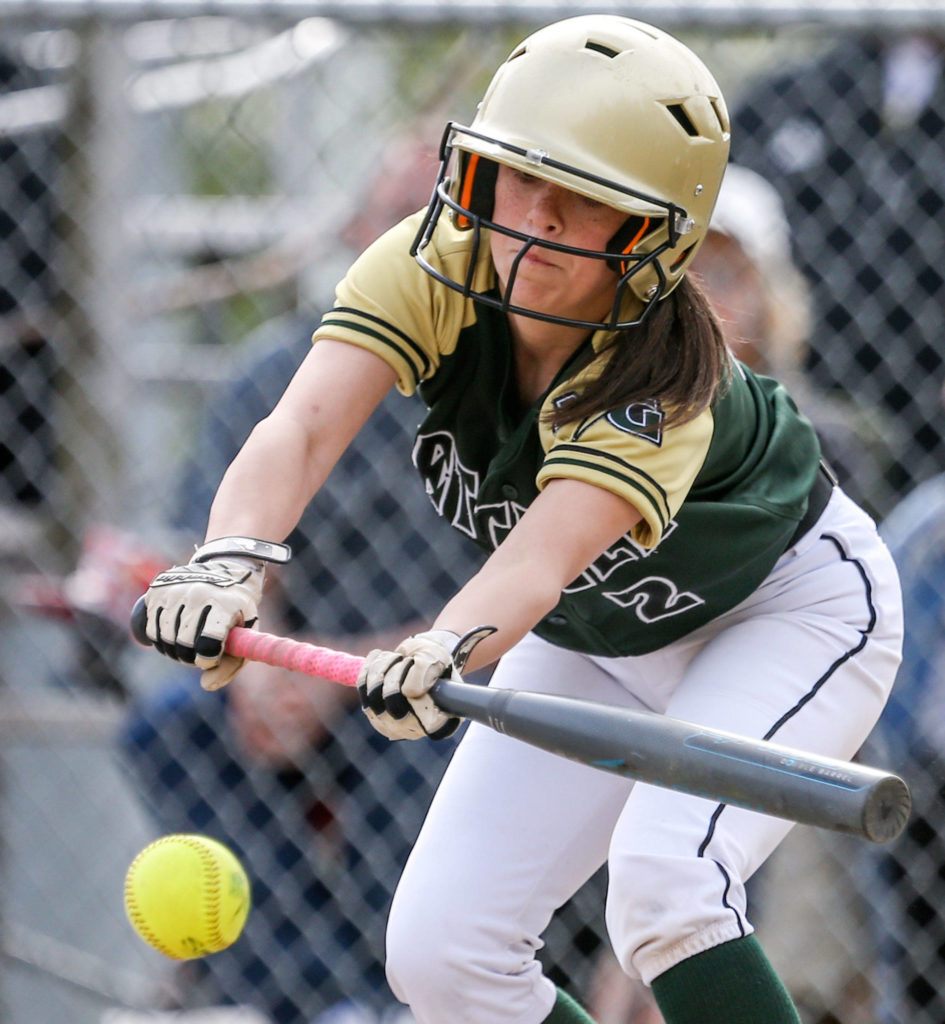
267, 486
290, 453
567, 526
511, 598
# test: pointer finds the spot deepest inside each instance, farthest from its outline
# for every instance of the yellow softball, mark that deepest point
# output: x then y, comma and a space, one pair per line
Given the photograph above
187, 896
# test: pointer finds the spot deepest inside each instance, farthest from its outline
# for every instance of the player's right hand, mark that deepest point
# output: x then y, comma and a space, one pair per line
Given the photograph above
394, 686
191, 609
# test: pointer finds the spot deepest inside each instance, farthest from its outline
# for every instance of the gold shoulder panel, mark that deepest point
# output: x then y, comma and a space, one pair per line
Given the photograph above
388, 304
628, 452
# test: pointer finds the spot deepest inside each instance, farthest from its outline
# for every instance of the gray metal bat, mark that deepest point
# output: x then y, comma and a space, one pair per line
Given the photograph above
721, 766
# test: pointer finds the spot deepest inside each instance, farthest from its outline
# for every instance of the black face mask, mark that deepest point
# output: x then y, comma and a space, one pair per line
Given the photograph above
472, 211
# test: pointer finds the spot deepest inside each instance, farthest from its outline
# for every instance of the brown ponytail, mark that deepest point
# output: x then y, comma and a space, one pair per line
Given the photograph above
677, 357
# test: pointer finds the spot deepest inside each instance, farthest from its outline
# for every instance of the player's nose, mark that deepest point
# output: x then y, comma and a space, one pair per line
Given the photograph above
546, 212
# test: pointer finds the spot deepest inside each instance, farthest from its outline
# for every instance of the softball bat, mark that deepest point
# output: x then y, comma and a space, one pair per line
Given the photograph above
722, 766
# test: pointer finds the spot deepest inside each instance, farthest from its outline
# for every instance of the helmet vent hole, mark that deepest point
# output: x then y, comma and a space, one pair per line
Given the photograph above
685, 122
681, 258
607, 51
722, 118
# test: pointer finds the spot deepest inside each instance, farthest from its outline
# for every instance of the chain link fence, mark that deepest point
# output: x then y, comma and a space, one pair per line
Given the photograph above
181, 185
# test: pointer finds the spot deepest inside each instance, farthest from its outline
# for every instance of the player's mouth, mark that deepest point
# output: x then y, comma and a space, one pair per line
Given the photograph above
536, 256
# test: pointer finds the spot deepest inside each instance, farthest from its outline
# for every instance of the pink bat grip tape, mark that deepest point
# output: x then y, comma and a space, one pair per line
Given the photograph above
281, 652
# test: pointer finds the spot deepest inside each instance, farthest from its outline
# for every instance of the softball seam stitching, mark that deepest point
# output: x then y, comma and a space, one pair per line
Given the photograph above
210, 904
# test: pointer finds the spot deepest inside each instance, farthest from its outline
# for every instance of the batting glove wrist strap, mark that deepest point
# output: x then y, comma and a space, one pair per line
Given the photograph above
394, 686
464, 644
244, 547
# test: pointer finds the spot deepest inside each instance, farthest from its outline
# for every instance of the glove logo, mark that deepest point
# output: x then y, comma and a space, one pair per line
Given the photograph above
186, 575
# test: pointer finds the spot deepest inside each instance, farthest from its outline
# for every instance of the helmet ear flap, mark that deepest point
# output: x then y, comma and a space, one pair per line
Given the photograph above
476, 190
626, 239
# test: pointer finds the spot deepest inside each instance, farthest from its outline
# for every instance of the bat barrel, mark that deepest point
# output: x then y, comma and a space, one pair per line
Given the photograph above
721, 766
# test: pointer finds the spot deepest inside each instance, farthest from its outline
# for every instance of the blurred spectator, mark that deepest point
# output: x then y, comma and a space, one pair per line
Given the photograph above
853, 142
814, 933
271, 764
911, 896
112, 568
748, 271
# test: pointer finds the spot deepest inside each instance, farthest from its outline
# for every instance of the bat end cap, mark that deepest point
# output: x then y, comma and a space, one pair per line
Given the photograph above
887, 810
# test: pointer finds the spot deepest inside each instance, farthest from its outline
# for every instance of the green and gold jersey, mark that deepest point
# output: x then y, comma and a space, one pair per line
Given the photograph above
720, 496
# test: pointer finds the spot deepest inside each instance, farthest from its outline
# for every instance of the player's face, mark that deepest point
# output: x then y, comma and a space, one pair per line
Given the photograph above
548, 281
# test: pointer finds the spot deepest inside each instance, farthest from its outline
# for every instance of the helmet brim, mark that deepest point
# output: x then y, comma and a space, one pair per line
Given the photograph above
542, 165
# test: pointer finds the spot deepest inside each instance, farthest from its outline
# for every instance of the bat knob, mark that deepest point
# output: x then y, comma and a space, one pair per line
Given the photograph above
139, 622
887, 810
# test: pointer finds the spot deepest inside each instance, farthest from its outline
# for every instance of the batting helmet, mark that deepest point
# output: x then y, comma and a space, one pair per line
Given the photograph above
610, 108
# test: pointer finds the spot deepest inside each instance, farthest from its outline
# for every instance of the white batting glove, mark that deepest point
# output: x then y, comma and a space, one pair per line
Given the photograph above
394, 686
191, 608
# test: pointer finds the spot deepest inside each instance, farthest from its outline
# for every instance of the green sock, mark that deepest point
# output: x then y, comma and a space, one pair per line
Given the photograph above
729, 984
567, 1011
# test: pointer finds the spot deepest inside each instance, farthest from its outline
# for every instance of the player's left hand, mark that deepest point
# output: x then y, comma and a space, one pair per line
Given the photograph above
192, 607
394, 686
189, 609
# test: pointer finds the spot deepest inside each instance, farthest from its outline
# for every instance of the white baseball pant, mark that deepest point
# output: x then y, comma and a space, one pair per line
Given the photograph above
514, 831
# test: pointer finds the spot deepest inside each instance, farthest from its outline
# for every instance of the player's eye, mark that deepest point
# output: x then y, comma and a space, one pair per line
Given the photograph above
591, 204
524, 178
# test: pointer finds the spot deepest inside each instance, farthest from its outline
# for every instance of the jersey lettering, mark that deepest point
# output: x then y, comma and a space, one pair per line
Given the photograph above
655, 598
451, 486
641, 419
560, 402
624, 551
500, 518
453, 489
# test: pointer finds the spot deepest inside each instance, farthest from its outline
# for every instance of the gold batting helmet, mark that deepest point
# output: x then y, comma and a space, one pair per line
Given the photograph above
610, 108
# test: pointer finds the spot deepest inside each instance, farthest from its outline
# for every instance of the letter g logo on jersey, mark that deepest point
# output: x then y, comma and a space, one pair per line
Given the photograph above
642, 419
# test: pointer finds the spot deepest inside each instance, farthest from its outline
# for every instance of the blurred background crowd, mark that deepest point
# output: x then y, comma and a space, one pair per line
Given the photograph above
178, 197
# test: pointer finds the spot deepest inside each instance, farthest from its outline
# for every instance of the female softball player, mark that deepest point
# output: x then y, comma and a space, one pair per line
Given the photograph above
662, 533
